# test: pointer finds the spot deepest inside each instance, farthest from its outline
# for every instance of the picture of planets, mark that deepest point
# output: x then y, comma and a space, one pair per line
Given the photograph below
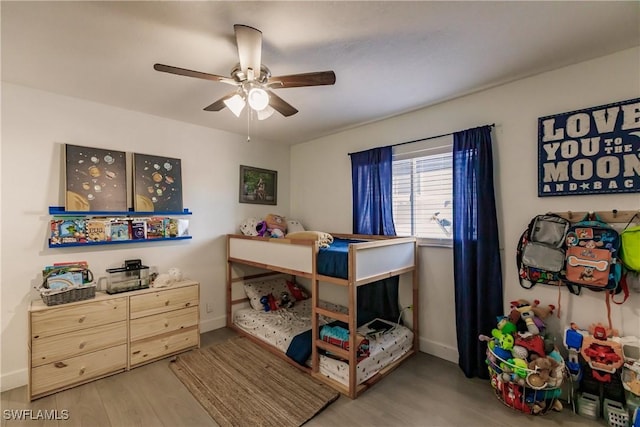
157, 184
95, 179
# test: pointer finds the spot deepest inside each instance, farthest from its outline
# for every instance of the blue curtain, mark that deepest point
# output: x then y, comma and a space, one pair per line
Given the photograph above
372, 214
372, 202
477, 268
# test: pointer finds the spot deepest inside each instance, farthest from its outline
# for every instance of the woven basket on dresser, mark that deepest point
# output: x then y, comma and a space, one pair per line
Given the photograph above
69, 295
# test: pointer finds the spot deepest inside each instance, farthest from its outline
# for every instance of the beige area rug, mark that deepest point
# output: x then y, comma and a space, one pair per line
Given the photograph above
241, 384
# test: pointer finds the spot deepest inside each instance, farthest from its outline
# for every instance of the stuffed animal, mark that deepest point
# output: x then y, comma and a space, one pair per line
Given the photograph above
285, 300
261, 229
543, 368
521, 309
276, 233
265, 303
540, 311
274, 222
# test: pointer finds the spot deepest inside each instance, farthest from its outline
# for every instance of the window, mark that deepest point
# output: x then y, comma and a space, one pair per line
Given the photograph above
423, 190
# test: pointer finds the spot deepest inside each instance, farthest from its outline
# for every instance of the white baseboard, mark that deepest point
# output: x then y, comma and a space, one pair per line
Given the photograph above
207, 325
440, 350
14, 379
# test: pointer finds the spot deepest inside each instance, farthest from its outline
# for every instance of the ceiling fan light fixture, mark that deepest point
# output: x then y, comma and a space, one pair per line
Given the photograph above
258, 98
265, 113
235, 104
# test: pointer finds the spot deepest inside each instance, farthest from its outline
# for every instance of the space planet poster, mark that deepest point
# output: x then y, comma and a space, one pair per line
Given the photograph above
95, 179
157, 183
590, 151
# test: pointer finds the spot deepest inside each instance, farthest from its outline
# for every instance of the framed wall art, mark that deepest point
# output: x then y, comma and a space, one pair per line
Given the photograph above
96, 179
590, 151
258, 186
157, 183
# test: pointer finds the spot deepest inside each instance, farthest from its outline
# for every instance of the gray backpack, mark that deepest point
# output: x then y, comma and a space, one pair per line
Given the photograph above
540, 255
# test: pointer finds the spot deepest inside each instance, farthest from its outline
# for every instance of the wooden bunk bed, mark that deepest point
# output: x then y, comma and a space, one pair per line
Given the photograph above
370, 259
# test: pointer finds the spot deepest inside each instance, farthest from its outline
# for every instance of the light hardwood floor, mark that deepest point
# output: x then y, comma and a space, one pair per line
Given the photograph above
424, 391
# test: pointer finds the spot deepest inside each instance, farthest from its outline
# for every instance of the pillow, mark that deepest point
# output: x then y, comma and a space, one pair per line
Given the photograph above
323, 239
248, 227
293, 225
276, 222
275, 287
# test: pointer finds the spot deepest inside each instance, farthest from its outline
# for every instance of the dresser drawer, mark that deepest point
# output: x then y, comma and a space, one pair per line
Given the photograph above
66, 319
162, 301
57, 347
145, 327
154, 348
75, 370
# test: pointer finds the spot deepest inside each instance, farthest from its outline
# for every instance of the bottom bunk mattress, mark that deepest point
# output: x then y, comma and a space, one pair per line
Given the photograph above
282, 327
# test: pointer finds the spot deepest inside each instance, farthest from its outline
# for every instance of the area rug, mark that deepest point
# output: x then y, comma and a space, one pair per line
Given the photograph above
241, 384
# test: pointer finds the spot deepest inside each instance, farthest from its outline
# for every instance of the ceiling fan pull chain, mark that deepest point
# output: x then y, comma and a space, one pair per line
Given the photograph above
248, 124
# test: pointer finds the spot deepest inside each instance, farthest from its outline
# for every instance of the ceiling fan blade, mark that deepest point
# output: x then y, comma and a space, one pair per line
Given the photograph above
190, 73
219, 104
319, 78
280, 105
249, 42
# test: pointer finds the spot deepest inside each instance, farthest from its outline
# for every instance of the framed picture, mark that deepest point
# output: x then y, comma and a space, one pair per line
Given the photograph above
96, 179
157, 183
258, 186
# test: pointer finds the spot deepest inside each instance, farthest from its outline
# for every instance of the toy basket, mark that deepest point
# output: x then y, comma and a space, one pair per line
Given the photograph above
55, 297
511, 388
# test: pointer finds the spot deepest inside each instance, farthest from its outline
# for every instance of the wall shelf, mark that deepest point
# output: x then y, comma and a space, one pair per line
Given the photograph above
60, 211
116, 242
75, 219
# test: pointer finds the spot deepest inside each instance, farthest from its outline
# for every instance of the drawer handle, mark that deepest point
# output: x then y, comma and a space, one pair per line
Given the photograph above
166, 324
60, 365
81, 319
187, 304
82, 345
166, 346
82, 371
166, 302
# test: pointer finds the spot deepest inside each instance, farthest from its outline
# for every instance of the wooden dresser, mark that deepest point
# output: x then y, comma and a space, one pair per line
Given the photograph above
71, 344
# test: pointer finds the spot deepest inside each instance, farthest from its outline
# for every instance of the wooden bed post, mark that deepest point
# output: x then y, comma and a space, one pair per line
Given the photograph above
315, 335
229, 286
416, 299
353, 316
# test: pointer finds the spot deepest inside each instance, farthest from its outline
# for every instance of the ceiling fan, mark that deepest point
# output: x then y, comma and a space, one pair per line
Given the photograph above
253, 80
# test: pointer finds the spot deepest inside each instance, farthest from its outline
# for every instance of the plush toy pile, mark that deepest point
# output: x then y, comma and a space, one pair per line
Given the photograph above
526, 368
274, 226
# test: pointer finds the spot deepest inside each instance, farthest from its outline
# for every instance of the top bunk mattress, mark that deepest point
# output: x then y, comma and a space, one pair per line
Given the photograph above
334, 260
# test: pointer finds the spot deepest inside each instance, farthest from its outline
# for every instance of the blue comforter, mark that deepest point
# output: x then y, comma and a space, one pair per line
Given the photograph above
334, 260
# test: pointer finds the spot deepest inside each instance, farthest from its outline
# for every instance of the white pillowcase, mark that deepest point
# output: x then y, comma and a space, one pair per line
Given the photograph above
248, 226
258, 289
293, 225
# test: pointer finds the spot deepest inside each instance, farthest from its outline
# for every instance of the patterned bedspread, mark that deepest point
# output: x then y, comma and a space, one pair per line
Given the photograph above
278, 328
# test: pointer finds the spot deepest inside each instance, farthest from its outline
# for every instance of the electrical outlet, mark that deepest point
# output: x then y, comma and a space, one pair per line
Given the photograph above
209, 308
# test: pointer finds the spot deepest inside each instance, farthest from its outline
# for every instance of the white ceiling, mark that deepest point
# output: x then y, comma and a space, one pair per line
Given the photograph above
389, 57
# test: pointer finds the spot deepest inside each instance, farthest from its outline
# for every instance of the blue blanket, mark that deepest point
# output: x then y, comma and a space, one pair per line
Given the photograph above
300, 347
334, 260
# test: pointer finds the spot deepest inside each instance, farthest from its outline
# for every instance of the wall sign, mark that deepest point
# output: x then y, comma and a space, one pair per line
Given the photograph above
590, 151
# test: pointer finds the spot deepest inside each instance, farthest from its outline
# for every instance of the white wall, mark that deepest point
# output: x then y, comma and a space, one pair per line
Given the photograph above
321, 182
35, 124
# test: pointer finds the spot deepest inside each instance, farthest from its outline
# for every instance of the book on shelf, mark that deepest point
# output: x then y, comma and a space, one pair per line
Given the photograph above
120, 230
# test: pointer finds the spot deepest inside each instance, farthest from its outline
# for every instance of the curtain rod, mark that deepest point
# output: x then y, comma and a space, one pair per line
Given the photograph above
431, 137
436, 136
